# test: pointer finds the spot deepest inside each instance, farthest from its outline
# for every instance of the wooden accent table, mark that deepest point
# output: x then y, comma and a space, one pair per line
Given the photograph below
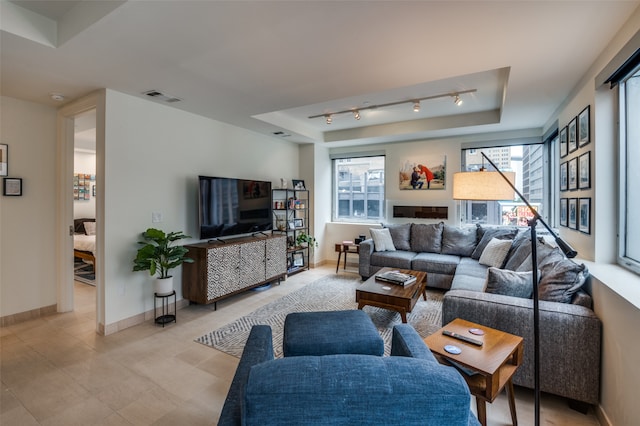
494, 362
391, 296
346, 247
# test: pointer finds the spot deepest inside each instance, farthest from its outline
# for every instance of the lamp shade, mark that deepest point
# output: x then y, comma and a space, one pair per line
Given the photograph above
483, 186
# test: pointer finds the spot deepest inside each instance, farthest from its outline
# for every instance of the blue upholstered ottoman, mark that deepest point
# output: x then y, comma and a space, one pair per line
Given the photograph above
331, 333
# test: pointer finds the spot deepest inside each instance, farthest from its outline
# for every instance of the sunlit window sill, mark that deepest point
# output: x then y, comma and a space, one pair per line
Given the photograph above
622, 281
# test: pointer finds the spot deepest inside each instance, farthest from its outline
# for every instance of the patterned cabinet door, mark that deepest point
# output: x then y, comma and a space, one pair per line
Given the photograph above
252, 263
223, 270
276, 256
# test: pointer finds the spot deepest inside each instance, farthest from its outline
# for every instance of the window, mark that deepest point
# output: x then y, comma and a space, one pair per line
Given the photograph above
629, 94
528, 162
358, 189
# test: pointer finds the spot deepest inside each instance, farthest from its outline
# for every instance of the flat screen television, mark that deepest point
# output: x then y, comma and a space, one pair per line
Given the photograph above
230, 206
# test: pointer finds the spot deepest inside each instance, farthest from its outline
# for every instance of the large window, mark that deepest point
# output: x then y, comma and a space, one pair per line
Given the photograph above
629, 250
358, 189
528, 162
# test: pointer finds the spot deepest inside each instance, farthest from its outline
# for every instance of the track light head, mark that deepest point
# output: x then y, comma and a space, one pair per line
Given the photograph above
416, 106
328, 118
457, 100
356, 114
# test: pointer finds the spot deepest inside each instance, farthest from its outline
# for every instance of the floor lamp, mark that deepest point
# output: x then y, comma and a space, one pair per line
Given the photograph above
490, 186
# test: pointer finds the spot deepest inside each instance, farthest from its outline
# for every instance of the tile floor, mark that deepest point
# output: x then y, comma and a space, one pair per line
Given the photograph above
57, 371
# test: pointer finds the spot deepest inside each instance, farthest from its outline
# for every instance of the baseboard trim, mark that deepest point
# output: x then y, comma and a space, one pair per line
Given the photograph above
28, 315
602, 416
137, 319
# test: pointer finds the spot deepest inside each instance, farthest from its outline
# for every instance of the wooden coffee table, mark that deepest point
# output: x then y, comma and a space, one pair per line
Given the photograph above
494, 363
390, 296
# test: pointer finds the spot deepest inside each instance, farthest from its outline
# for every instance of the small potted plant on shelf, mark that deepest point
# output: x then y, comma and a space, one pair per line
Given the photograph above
304, 238
159, 255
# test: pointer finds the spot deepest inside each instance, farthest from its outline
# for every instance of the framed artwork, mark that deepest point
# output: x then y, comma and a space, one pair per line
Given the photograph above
584, 171
573, 213
563, 142
298, 223
573, 174
12, 187
563, 212
572, 135
298, 184
564, 177
4, 159
423, 173
292, 225
584, 127
584, 215
298, 259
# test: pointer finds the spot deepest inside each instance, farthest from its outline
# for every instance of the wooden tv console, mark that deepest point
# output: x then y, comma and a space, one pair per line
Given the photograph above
222, 269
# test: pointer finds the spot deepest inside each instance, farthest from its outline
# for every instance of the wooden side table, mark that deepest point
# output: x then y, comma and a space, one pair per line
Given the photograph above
492, 365
345, 247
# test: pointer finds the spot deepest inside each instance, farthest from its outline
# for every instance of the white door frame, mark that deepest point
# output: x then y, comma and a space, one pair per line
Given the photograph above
64, 205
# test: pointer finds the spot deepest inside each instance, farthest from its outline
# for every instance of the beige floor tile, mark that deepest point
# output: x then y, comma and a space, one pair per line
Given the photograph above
149, 407
86, 411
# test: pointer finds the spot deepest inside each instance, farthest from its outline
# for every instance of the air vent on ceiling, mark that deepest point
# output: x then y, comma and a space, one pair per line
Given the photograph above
281, 134
155, 94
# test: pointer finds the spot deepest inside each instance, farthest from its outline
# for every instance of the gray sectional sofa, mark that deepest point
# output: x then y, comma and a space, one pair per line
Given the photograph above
498, 294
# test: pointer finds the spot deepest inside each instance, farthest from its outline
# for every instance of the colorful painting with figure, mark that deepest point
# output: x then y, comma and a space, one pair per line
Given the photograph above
423, 173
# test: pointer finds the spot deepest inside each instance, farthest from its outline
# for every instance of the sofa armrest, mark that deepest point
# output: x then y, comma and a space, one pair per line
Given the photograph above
405, 341
570, 339
365, 251
258, 349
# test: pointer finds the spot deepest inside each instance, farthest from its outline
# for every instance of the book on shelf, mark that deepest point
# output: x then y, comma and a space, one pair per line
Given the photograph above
396, 277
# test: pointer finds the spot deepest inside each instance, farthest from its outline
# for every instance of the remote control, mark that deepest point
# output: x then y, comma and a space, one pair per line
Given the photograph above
461, 337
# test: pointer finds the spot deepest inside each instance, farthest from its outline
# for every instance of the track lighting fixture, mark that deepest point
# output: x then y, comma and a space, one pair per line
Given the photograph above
415, 102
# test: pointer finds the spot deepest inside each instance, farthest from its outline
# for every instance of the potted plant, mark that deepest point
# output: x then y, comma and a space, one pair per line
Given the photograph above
303, 237
158, 255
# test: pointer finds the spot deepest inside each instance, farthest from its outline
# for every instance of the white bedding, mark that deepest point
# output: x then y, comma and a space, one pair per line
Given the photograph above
84, 242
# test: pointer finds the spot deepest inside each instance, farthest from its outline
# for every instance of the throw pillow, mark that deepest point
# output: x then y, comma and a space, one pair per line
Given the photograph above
501, 233
544, 251
458, 241
495, 253
560, 279
400, 235
510, 283
426, 238
382, 239
90, 228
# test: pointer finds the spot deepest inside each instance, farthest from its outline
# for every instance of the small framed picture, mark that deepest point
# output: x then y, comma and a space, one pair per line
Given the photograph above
563, 142
563, 212
573, 174
292, 225
4, 159
298, 259
573, 213
584, 215
572, 135
298, 223
564, 177
298, 184
12, 187
584, 126
584, 170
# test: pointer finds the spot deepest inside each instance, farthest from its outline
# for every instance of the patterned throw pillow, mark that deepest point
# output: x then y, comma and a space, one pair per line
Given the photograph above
495, 253
382, 239
510, 283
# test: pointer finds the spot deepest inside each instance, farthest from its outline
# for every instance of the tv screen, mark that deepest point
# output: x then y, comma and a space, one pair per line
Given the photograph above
233, 206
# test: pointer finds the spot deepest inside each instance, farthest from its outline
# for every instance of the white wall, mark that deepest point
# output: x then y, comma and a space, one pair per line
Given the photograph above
27, 223
85, 162
153, 156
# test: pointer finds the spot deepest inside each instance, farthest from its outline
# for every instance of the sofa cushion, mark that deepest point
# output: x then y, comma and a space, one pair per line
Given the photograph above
518, 253
426, 237
458, 241
393, 259
495, 253
510, 283
542, 253
435, 263
400, 235
560, 278
470, 275
382, 239
486, 234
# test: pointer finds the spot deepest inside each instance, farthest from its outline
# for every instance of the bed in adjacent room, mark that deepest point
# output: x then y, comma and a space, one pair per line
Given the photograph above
84, 240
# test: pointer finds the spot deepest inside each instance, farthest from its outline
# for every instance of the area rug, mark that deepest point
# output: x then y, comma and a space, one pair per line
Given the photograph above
83, 272
331, 293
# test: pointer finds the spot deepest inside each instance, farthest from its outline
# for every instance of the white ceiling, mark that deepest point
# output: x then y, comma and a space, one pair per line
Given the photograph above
269, 65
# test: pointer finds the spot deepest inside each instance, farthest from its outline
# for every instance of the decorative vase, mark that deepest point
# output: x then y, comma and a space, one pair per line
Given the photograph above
163, 286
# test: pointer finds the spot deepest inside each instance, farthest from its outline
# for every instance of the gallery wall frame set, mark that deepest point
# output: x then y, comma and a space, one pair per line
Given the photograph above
575, 213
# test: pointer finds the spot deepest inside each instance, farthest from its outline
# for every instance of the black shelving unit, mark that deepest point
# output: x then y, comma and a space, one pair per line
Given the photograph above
291, 218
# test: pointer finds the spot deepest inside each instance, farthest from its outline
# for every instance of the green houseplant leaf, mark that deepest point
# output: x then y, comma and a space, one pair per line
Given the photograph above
158, 255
